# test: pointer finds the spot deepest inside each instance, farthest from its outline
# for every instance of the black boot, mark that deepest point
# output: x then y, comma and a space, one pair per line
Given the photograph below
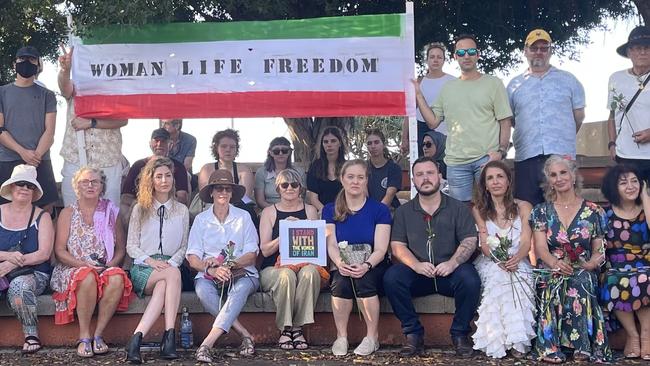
168, 345
133, 349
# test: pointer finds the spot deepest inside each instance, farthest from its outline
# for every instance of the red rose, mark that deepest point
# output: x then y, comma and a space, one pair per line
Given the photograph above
427, 218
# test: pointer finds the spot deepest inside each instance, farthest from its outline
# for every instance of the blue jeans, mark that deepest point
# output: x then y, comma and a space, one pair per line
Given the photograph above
461, 178
464, 285
235, 299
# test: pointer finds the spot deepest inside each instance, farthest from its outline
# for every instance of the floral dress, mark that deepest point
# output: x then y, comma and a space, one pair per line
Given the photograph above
625, 285
568, 314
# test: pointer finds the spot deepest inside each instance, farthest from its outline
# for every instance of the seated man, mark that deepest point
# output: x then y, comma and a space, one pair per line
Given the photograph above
160, 147
432, 239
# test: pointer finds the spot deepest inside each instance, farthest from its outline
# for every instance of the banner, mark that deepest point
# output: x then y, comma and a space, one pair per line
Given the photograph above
338, 66
303, 241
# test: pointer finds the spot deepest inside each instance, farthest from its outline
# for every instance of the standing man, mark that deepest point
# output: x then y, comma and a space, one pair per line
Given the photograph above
476, 109
27, 122
182, 145
432, 240
548, 106
101, 142
629, 103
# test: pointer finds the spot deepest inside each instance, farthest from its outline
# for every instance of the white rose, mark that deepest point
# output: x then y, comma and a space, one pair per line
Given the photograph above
493, 242
343, 244
503, 233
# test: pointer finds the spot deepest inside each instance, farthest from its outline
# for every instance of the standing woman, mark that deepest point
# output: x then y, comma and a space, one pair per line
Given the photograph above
295, 288
358, 220
568, 232
385, 176
323, 176
506, 317
625, 287
278, 158
89, 248
157, 242
26, 240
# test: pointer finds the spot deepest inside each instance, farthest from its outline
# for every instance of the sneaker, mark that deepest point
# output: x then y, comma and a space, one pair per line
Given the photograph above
367, 347
340, 346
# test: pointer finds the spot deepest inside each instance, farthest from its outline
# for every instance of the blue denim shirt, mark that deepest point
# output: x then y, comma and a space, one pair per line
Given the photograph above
543, 113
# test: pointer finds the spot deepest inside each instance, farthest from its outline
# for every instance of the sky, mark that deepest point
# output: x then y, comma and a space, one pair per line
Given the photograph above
597, 60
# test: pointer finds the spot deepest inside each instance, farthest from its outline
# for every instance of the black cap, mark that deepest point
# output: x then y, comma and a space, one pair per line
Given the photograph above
28, 51
638, 36
160, 134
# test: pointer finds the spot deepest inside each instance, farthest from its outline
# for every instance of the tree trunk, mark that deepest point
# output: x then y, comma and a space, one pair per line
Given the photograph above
305, 133
643, 6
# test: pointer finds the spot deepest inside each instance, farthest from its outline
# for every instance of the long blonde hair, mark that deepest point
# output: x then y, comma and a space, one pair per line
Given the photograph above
145, 184
341, 209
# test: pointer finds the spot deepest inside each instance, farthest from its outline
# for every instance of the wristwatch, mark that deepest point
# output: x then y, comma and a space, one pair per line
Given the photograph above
368, 264
503, 152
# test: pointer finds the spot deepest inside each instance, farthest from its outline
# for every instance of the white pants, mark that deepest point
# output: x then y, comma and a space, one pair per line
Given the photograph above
113, 182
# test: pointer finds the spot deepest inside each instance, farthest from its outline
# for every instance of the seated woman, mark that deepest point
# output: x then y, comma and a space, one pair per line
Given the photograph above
625, 289
568, 232
295, 288
359, 221
222, 247
157, 242
385, 176
26, 240
506, 317
433, 146
278, 158
323, 176
89, 248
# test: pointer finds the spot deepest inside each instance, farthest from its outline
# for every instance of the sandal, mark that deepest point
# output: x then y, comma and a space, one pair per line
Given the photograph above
581, 356
645, 349
286, 345
203, 354
247, 347
299, 344
30, 342
87, 349
99, 346
554, 358
632, 347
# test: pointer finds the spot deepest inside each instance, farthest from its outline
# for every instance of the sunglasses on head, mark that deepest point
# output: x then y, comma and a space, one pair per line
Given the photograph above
285, 185
23, 183
283, 151
427, 144
226, 189
466, 51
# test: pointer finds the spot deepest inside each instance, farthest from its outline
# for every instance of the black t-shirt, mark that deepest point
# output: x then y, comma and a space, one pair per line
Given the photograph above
389, 175
325, 189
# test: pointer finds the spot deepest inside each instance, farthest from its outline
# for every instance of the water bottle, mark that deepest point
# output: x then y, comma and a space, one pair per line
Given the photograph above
187, 338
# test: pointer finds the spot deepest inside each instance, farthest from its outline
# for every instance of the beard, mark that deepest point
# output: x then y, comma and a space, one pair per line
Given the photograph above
429, 192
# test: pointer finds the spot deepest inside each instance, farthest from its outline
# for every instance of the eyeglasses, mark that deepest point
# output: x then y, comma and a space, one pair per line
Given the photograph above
88, 183
281, 151
542, 49
427, 144
23, 184
466, 51
226, 189
285, 185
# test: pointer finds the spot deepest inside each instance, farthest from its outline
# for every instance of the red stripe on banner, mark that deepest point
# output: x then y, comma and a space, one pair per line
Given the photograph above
248, 104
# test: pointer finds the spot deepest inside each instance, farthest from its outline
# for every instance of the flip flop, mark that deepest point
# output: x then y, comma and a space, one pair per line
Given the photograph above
31, 341
88, 348
99, 346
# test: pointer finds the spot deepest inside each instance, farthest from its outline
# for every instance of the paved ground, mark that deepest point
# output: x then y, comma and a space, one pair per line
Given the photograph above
267, 357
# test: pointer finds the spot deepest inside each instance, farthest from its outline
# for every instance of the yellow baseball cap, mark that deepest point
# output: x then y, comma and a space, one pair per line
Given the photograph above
537, 35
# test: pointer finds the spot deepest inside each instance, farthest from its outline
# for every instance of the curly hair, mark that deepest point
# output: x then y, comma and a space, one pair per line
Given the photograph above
146, 184
216, 139
549, 192
341, 209
609, 187
86, 169
483, 199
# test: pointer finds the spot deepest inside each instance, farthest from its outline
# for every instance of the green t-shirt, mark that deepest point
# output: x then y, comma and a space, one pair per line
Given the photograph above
472, 110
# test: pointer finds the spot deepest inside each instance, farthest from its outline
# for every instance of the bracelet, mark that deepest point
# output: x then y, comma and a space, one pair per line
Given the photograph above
611, 143
368, 264
93, 123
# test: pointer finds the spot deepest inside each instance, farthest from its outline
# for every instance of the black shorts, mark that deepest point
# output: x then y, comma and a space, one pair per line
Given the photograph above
367, 286
44, 176
529, 176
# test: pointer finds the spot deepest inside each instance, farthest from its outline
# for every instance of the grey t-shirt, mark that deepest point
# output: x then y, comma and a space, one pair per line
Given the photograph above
24, 110
451, 223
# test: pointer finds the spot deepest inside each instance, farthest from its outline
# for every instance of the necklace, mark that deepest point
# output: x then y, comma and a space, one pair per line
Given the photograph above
639, 78
567, 204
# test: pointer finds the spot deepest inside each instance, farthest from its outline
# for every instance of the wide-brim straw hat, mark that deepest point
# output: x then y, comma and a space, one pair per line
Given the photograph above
20, 173
222, 177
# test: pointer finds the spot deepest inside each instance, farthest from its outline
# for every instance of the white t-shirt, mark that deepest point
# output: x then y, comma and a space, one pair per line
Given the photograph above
621, 89
430, 90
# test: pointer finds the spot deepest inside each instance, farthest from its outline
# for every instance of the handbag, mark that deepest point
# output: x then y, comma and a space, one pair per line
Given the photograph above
356, 253
25, 270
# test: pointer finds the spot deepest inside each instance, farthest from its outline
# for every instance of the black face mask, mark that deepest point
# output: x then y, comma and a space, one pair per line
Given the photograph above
26, 69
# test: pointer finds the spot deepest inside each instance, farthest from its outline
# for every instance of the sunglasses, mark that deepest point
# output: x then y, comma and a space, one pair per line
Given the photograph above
283, 151
285, 185
427, 145
23, 184
226, 189
466, 51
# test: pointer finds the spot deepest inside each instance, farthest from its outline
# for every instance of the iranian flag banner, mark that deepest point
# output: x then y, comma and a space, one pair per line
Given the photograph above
338, 66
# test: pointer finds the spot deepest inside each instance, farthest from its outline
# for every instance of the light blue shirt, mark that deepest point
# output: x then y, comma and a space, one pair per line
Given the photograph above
543, 113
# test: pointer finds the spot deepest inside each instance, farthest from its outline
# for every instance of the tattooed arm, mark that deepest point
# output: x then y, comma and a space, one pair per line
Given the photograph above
463, 254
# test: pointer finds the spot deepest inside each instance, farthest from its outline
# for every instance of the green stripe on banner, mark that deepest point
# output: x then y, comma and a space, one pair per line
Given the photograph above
383, 25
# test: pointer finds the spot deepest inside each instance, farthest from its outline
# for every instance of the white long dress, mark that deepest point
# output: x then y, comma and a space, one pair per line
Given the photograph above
506, 316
